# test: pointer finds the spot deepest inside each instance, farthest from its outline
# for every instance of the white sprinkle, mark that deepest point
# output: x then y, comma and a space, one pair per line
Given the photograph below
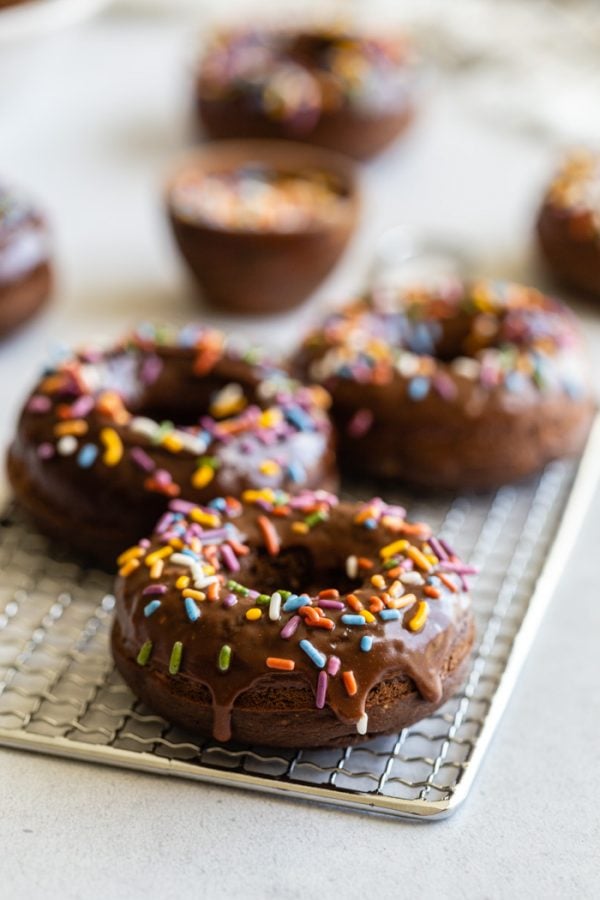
362, 724
413, 578
180, 559
66, 445
467, 367
192, 442
351, 566
275, 607
143, 425
408, 364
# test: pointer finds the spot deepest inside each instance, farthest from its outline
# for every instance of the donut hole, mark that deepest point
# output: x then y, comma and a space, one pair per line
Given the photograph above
295, 569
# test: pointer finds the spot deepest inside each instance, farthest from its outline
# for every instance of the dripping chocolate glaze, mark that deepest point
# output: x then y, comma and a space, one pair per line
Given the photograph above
319, 558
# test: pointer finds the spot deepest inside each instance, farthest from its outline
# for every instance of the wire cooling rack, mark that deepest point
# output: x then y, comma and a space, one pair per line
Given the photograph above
60, 693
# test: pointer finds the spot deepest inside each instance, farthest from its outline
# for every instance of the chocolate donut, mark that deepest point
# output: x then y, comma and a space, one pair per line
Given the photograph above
292, 621
568, 225
459, 385
330, 87
25, 274
107, 439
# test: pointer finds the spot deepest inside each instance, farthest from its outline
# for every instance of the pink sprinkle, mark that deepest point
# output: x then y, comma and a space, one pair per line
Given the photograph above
151, 369
182, 506
360, 423
154, 589
141, 458
162, 477
39, 404
45, 451
333, 665
321, 690
229, 558
290, 627
444, 386
230, 600
165, 521
82, 406
331, 604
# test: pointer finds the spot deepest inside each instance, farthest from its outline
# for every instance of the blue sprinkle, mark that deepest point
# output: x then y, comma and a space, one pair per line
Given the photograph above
389, 614
151, 607
87, 455
187, 552
294, 602
418, 388
191, 609
515, 382
218, 503
370, 524
296, 416
349, 619
366, 642
313, 654
297, 473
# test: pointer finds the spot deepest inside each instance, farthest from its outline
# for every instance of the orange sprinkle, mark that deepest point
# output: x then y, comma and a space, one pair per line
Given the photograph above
129, 567
431, 591
300, 527
133, 553
281, 511
212, 591
376, 604
239, 549
418, 558
72, 426
322, 622
395, 572
285, 665
329, 594
449, 584
364, 563
270, 536
309, 612
349, 682
353, 601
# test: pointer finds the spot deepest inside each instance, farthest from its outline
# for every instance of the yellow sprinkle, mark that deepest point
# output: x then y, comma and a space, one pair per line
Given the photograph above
395, 589
132, 553
129, 567
113, 445
172, 443
378, 581
161, 553
431, 559
182, 582
195, 595
253, 614
253, 496
176, 543
418, 558
270, 417
202, 476
416, 622
270, 467
209, 570
392, 549
156, 569
367, 615
300, 528
73, 426
204, 518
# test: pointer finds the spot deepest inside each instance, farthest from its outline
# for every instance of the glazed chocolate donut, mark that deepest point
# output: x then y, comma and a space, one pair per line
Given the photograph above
25, 274
292, 621
329, 87
107, 439
568, 225
462, 385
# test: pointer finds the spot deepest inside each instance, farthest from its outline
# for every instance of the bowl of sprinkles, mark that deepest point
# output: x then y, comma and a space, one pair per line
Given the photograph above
260, 224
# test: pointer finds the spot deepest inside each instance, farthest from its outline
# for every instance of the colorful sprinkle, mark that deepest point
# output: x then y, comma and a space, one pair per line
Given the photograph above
319, 659
144, 654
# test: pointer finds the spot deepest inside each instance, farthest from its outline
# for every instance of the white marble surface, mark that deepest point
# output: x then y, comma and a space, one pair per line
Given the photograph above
91, 120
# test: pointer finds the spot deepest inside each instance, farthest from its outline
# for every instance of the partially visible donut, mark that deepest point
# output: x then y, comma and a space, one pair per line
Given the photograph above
25, 273
332, 87
107, 439
568, 225
292, 621
459, 386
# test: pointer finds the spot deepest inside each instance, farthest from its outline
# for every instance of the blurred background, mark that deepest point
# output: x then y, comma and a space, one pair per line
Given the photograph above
96, 105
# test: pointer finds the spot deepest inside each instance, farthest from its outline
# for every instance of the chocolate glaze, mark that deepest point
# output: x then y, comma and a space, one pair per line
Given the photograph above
568, 224
465, 386
98, 505
402, 660
25, 273
357, 109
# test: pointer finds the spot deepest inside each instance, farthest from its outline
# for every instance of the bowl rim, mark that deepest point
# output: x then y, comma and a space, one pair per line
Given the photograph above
282, 154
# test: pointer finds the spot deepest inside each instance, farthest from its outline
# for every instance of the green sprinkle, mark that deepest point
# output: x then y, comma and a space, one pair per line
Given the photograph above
284, 594
144, 654
315, 518
263, 599
391, 563
175, 660
212, 462
224, 658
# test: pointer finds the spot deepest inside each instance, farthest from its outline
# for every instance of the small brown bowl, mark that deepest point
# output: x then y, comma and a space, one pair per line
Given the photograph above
263, 271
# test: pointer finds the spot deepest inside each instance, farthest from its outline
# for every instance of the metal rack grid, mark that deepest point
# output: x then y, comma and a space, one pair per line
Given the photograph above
60, 693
